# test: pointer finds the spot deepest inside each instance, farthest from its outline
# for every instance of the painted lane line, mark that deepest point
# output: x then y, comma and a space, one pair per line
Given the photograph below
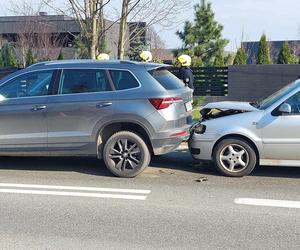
95, 189
78, 194
267, 202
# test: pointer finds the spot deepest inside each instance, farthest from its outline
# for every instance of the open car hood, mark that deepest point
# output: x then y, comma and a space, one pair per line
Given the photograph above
243, 106
225, 109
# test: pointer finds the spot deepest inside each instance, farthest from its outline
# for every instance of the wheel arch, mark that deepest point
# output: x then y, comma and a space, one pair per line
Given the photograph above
110, 128
237, 136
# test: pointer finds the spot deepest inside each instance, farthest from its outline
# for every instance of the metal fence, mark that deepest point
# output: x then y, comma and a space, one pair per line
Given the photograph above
209, 81
253, 82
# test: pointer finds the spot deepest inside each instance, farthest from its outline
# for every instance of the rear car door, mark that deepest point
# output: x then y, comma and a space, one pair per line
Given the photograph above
23, 105
281, 135
76, 113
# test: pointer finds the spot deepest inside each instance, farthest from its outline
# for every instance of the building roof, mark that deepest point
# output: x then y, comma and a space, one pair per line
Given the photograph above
50, 23
251, 49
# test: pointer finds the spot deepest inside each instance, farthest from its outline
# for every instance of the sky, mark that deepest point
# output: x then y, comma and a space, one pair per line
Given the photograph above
248, 19
242, 20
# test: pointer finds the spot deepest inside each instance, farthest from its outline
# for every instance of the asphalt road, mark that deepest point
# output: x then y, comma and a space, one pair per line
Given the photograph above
74, 203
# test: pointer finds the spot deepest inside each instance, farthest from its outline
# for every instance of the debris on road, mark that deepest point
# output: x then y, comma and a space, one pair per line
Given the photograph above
165, 172
201, 179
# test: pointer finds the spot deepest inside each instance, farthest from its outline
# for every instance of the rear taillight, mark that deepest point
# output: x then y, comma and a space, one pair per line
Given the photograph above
179, 134
162, 103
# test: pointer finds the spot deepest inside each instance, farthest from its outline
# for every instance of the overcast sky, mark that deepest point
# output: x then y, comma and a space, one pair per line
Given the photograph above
279, 19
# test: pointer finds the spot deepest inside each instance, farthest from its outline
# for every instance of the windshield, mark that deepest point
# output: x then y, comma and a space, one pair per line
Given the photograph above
269, 101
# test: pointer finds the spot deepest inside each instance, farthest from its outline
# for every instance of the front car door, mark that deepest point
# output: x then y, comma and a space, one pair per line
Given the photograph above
281, 134
75, 115
23, 103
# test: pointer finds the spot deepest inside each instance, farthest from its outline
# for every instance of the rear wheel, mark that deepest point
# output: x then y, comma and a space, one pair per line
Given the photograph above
126, 154
234, 157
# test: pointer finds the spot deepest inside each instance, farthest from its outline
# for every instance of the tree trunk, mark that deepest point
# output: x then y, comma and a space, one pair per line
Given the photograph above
101, 28
123, 24
94, 35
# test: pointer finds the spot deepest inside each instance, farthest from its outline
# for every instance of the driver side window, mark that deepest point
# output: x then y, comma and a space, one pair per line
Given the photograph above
294, 101
30, 84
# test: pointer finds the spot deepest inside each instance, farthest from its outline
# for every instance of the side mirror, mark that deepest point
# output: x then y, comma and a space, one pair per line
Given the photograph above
285, 108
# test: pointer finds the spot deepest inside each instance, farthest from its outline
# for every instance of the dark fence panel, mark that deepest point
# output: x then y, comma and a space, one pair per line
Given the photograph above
6, 71
209, 81
253, 82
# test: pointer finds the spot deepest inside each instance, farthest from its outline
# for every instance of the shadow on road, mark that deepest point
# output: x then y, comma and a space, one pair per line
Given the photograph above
181, 160
178, 160
275, 171
85, 165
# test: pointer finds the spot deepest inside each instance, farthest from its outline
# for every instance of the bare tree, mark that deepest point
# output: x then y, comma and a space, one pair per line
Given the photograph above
154, 13
123, 24
127, 7
35, 33
25, 7
90, 16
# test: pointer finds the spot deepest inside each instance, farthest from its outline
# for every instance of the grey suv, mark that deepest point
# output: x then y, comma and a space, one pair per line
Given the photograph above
120, 111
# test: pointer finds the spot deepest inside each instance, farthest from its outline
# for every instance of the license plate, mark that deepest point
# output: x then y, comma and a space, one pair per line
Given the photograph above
188, 106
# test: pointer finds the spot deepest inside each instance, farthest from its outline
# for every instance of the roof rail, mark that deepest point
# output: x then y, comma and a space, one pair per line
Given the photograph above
37, 64
128, 62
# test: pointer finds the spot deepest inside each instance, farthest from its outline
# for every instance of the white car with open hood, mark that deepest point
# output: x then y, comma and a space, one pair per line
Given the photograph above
237, 136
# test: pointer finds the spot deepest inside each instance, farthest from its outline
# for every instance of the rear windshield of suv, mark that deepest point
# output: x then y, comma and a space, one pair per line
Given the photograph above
167, 79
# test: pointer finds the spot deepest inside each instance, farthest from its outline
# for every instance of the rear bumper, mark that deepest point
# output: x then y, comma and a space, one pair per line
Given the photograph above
168, 140
166, 145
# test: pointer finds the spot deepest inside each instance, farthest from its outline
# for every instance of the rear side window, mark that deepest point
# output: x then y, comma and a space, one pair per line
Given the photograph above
167, 79
123, 79
83, 81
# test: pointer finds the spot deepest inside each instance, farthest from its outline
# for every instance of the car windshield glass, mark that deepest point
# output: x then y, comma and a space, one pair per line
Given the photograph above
269, 101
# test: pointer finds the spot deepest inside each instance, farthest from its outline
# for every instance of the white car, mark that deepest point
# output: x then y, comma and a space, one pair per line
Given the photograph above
237, 136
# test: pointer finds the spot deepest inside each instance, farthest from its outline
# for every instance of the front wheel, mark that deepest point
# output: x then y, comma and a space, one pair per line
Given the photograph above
234, 157
126, 154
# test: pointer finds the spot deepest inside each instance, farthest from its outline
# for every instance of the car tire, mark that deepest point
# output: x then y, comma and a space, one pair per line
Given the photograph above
126, 154
234, 157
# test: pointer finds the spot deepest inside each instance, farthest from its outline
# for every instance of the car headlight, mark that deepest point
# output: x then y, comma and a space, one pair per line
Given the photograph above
198, 128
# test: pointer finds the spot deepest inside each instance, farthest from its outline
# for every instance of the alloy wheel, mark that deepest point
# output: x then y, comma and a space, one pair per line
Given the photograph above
126, 154
234, 158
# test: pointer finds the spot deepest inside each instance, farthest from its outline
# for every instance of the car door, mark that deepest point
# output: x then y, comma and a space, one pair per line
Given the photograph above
82, 105
281, 132
23, 103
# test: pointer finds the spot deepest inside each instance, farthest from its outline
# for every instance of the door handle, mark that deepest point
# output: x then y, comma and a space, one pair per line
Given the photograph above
103, 104
37, 108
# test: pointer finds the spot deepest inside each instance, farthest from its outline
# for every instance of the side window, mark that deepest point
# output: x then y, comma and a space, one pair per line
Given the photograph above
294, 101
123, 79
30, 84
83, 81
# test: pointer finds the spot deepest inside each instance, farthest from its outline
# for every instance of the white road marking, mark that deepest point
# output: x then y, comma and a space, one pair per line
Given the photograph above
268, 202
80, 194
96, 189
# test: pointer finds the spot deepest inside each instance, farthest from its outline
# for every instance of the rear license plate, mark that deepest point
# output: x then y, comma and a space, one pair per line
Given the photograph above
188, 106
